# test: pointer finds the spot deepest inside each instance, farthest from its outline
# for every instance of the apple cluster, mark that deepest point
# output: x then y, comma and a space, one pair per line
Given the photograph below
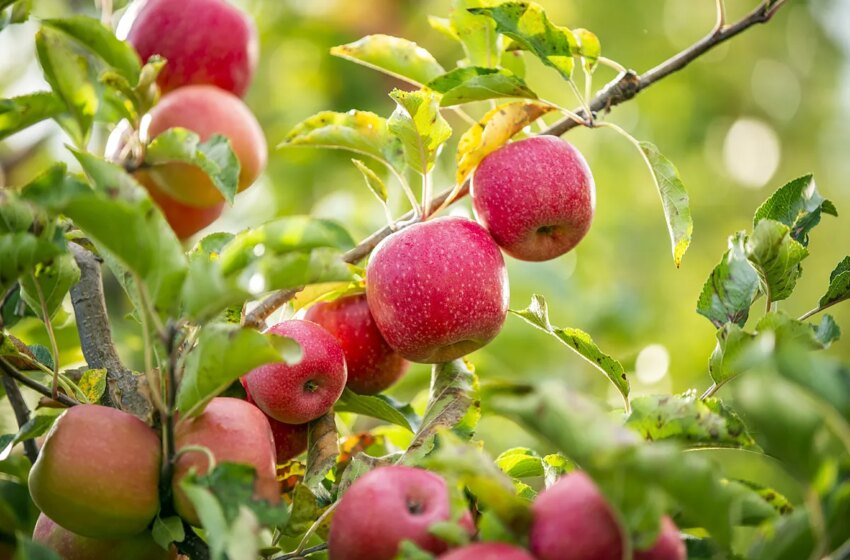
211, 49
571, 520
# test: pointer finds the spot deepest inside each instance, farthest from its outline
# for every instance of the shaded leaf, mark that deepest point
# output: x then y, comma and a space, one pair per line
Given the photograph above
392, 55
222, 355
732, 287
38, 425
493, 131
798, 205
24, 111
55, 278
732, 353
21, 252
417, 122
31, 550
377, 406
215, 157
305, 510
101, 41
579, 341
475, 83
674, 199
452, 405
68, 74
776, 256
168, 530
527, 24
689, 420
322, 450
839, 284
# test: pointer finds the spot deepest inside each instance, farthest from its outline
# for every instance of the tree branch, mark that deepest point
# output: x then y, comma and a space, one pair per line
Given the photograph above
125, 388
623, 88
193, 546
22, 414
10, 371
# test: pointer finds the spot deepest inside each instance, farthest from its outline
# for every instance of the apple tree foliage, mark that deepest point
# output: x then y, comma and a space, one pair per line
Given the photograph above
785, 405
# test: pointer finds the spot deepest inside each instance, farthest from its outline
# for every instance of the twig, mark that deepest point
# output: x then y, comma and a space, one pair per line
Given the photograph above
623, 88
816, 310
193, 546
22, 414
61, 398
96, 337
303, 554
629, 84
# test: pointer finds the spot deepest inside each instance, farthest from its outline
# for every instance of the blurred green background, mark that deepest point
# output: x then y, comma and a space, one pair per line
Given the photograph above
768, 106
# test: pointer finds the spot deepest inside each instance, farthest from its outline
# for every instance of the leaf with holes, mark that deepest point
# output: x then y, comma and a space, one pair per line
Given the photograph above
732, 287
392, 55
527, 24
579, 341
493, 131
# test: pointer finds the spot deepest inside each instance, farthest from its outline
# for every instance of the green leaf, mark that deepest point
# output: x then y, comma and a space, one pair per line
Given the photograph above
305, 510
375, 183
689, 420
839, 284
776, 257
18, 113
31, 550
360, 132
55, 278
789, 329
215, 157
417, 122
377, 406
392, 55
322, 451
589, 48
18, 513
732, 287
520, 462
168, 530
674, 199
223, 354
458, 460
38, 425
93, 384
579, 341
527, 24
476, 83
733, 353
453, 404
476, 33
798, 205
102, 42
407, 550
21, 252
68, 74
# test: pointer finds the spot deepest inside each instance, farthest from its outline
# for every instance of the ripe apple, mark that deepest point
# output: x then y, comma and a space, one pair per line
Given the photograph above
235, 431
386, 506
372, 364
98, 473
488, 551
438, 289
70, 546
206, 110
185, 220
572, 521
536, 197
668, 546
204, 41
290, 440
300, 392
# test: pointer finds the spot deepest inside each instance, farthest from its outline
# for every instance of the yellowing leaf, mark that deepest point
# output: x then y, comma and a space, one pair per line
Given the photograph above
493, 131
93, 384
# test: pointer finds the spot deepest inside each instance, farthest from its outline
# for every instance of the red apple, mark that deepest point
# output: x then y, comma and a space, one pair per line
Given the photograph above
234, 431
204, 41
290, 440
386, 506
536, 197
300, 392
185, 220
372, 364
438, 289
206, 110
70, 546
488, 551
668, 546
98, 473
572, 521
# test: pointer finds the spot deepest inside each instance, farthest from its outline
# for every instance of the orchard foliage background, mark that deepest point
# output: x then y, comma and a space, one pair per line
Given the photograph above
739, 123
